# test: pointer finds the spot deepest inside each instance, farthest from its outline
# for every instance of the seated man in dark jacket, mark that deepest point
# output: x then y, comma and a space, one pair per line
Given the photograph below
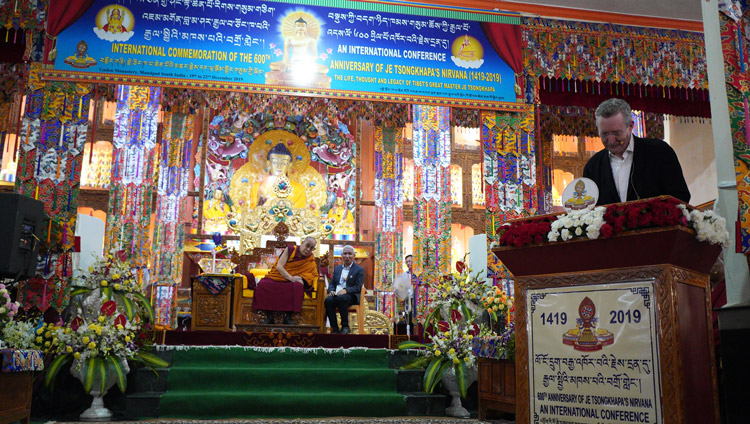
343, 290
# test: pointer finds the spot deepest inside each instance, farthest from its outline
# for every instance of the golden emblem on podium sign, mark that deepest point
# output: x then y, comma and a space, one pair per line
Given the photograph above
586, 337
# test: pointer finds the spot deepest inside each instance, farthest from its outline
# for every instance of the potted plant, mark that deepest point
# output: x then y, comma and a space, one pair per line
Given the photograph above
108, 329
451, 325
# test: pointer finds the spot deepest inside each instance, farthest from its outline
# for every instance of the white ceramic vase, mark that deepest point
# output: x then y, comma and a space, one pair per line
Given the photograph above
97, 411
450, 383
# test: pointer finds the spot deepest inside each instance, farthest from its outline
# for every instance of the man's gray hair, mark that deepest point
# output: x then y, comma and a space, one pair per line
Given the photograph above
315, 242
611, 107
348, 247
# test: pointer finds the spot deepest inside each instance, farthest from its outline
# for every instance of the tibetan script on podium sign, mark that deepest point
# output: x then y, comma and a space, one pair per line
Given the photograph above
594, 355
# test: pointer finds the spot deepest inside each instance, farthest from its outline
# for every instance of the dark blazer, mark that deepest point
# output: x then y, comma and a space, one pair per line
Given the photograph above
656, 171
354, 280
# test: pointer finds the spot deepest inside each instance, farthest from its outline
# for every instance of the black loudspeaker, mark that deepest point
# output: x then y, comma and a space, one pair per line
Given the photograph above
21, 226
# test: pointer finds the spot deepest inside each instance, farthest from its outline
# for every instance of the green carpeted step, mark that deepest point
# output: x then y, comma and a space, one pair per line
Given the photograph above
282, 383
237, 378
299, 404
373, 358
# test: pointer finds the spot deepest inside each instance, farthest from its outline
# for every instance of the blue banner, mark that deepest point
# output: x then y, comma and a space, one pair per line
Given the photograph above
280, 47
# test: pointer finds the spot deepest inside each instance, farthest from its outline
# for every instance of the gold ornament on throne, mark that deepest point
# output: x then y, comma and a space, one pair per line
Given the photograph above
278, 185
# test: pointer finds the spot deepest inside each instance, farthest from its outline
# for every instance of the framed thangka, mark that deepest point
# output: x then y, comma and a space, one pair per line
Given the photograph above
281, 169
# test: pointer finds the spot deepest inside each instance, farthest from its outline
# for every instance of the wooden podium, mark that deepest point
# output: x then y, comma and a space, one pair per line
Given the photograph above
579, 358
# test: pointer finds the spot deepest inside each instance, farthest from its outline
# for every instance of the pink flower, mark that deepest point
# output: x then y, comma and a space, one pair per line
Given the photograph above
272, 45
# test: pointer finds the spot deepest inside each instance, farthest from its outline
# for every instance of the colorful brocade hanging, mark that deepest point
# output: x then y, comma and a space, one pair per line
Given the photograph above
512, 189
389, 202
588, 51
132, 184
432, 200
733, 24
53, 132
171, 191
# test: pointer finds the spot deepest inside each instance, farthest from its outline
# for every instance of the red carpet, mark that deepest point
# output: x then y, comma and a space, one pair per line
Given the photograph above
279, 339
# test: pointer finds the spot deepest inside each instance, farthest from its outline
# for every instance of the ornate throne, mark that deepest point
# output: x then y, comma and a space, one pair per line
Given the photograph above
281, 221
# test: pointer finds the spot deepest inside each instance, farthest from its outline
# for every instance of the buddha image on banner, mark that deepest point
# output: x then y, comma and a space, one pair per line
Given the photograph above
299, 66
258, 160
408, 53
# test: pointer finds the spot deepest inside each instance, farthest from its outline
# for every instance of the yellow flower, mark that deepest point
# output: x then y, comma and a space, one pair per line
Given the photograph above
67, 330
117, 286
46, 344
68, 349
473, 296
447, 333
115, 276
437, 352
91, 269
120, 327
38, 339
127, 338
101, 318
452, 351
39, 330
85, 339
470, 336
77, 355
98, 331
92, 345
456, 360
104, 283
467, 359
494, 308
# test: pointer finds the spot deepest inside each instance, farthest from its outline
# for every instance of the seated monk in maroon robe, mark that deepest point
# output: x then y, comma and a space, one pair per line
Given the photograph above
282, 289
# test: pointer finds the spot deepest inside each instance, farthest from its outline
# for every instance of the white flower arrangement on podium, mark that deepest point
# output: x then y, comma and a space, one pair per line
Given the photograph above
611, 220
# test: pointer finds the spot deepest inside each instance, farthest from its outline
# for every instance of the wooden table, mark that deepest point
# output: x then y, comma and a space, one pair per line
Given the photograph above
212, 311
15, 401
497, 386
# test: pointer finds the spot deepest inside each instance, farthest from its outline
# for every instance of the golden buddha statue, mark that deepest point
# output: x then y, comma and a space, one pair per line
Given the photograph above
278, 168
277, 183
299, 66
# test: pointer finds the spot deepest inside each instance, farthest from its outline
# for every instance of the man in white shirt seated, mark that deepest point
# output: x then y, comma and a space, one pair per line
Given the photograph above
343, 290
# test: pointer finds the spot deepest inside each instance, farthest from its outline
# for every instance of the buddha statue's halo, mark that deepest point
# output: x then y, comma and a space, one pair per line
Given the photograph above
288, 24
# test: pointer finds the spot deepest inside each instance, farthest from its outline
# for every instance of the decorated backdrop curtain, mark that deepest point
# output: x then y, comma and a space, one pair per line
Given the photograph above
62, 14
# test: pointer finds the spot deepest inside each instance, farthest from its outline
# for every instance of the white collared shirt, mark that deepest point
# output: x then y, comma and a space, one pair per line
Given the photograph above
621, 169
344, 274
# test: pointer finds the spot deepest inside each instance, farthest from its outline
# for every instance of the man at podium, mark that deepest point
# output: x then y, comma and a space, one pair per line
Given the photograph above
630, 167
